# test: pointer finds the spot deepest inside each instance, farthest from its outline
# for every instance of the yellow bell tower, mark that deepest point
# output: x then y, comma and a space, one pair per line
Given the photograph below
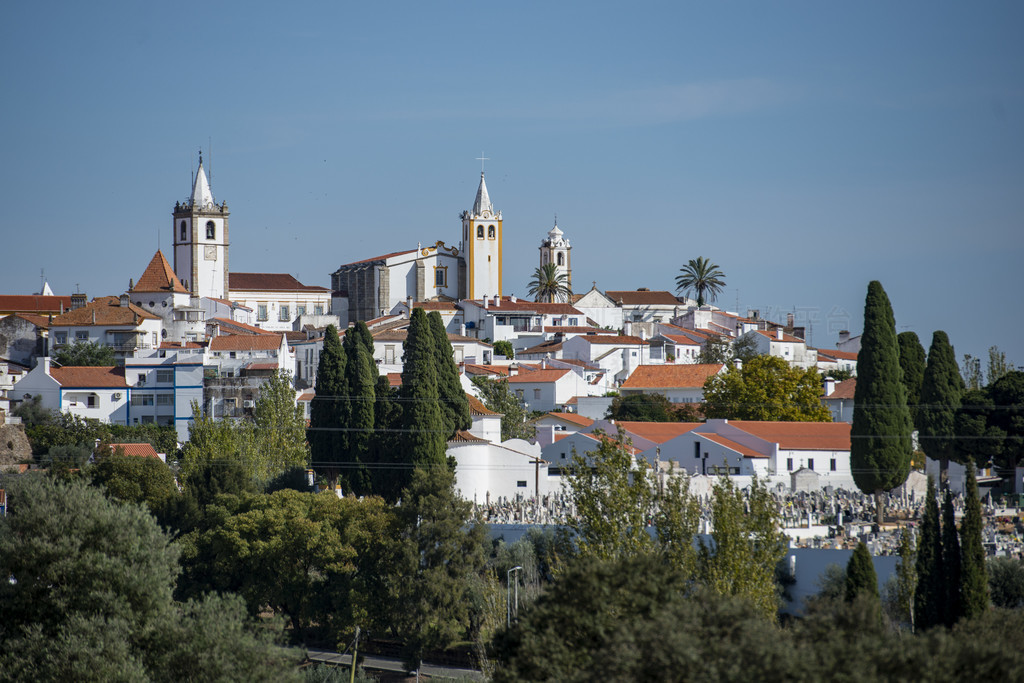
481, 240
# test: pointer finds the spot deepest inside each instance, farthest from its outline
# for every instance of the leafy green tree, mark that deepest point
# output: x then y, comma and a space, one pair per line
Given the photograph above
1007, 394
497, 396
906, 578
329, 409
701, 277
63, 460
715, 350
746, 545
454, 405
503, 347
766, 388
134, 479
978, 439
549, 285
677, 519
81, 353
952, 601
1006, 581
613, 501
974, 584
998, 366
280, 428
213, 442
745, 348
971, 372
930, 592
641, 408
443, 549
912, 362
860, 574
880, 447
941, 391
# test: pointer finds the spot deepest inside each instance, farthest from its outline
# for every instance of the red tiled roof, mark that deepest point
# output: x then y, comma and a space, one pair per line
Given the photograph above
477, 407
632, 450
639, 297
612, 339
572, 418
182, 345
658, 432
774, 337
506, 305
89, 377
575, 329
544, 347
671, 376
538, 376
475, 369
800, 436
395, 379
837, 354
105, 310
239, 328
261, 366
33, 303
159, 277
436, 305
306, 396
844, 390
729, 443
268, 282
681, 339
462, 436
379, 258
246, 342
42, 321
144, 450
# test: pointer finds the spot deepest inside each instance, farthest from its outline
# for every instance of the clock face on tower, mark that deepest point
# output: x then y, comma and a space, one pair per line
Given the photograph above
210, 252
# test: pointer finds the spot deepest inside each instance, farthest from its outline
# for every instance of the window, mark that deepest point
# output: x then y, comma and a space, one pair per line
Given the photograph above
165, 375
479, 232
810, 463
229, 404
211, 230
536, 393
81, 336
282, 314
142, 399
261, 312
300, 311
459, 354
90, 401
318, 309
563, 456
60, 338
696, 449
490, 232
165, 399
148, 419
389, 354
573, 322
519, 394
184, 231
440, 276
789, 464
521, 484
832, 464
561, 259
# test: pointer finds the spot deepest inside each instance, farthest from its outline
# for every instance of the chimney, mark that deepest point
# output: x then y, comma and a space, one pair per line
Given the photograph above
497, 300
486, 300
789, 320
513, 298
408, 303
778, 333
830, 386
124, 301
844, 335
737, 363
77, 301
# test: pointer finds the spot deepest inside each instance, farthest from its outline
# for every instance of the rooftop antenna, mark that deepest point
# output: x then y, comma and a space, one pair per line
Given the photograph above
42, 280
482, 159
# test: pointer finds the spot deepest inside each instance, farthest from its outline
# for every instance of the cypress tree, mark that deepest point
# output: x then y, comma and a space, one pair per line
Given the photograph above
972, 571
860, 574
880, 448
424, 439
941, 391
327, 412
361, 380
387, 474
912, 362
454, 404
953, 603
929, 595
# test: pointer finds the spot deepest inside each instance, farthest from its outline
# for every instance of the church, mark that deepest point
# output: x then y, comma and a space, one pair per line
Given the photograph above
472, 269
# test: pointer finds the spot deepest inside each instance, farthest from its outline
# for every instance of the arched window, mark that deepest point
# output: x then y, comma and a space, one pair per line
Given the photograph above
561, 259
184, 232
490, 232
211, 230
479, 232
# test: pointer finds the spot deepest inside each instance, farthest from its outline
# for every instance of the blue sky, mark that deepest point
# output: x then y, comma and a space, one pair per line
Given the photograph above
805, 147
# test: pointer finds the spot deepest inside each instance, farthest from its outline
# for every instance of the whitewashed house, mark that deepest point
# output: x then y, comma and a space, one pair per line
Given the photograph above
677, 383
791, 349
616, 355
110, 321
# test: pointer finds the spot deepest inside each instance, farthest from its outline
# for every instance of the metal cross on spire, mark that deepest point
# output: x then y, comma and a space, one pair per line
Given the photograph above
482, 159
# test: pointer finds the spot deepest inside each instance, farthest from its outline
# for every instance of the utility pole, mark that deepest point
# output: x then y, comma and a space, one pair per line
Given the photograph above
355, 656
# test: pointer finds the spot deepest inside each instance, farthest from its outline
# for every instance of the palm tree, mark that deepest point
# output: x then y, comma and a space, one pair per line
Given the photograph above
703, 277
549, 285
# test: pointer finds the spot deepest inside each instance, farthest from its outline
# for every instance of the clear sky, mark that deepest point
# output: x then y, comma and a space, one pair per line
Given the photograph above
805, 147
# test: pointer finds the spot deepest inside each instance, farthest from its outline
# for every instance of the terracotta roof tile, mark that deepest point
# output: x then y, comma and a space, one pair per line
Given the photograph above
395, 379
42, 321
247, 342
785, 337
462, 436
800, 436
34, 303
671, 376
159, 277
545, 347
108, 311
538, 376
658, 432
268, 282
235, 327
475, 369
144, 450
639, 297
506, 305
477, 407
613, 339
837, 354
844, 390
572, 418
729, 443
89, 377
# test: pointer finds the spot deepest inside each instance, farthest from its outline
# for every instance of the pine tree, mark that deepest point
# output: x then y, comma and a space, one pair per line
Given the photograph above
941, 391
361, 380
929, 595
952, 605
912, 362
424, 438
327, 412
860, 574
880, 446
454, 405
972, 572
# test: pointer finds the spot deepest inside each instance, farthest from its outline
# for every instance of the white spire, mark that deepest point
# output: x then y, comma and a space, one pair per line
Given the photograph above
483, 201
201, 195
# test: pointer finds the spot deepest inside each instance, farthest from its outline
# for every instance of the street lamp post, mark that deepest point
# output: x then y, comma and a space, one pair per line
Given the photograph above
508, 596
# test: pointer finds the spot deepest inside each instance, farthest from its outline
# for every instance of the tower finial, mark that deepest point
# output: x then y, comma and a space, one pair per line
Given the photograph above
200, 156
482, 159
